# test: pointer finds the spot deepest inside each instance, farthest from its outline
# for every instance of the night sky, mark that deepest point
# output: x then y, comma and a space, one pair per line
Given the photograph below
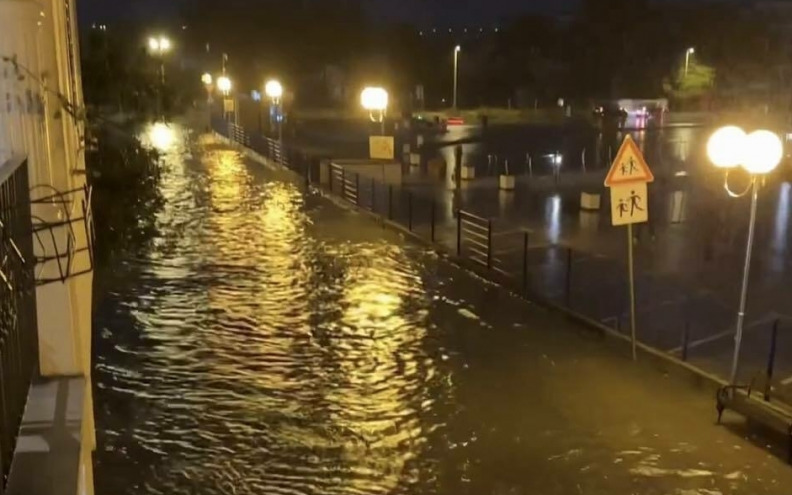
423, 12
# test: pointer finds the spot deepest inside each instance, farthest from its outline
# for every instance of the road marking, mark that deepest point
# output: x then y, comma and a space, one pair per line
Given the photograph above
706, 340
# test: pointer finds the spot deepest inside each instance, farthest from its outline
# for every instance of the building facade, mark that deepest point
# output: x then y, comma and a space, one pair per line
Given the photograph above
42, 119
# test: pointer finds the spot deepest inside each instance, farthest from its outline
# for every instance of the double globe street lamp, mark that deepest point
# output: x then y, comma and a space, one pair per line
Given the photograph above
207, 81
375, 100
274, 90
759, 153
159, 47
224, 85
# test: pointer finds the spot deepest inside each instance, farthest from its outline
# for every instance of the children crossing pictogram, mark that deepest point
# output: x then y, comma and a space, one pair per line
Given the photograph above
629, 165
627, 181
629, 204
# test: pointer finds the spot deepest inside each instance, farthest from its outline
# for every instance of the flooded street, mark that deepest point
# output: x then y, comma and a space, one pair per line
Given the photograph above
269, 341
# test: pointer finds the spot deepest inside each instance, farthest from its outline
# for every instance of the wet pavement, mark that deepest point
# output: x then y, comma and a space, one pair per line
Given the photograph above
689, 258
270, 341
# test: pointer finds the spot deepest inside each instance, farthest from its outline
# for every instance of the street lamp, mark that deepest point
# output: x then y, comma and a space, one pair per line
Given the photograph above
224, 85
759, 153
375, 100
274, 89
690, 51
159, 46
457, 49
207, 81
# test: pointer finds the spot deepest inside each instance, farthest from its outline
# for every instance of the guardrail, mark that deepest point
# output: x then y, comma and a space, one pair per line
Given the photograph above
18, 337
586, 284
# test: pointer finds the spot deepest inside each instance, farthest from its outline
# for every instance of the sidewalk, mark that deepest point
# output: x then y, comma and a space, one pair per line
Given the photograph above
687, 274
682, 297
526, 401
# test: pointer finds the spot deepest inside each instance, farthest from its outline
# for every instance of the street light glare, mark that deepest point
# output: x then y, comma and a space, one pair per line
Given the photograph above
224, 84
159, 45
458, 48
759, 152
691, 50
273, 89
374, 99
206, 78
725, 147
763, 152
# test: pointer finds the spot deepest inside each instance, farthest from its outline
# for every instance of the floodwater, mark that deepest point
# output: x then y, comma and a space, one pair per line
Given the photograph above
270, 342
569, 150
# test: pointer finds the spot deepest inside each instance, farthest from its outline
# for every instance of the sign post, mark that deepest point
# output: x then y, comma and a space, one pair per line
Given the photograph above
627, 181
381, 147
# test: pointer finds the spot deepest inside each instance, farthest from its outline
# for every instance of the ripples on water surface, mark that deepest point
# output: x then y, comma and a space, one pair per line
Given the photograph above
256, 349
269, 342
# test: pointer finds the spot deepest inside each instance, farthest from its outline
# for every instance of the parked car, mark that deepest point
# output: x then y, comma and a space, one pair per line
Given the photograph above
610, 114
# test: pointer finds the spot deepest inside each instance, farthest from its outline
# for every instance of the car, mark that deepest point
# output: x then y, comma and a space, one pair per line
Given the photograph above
604, 114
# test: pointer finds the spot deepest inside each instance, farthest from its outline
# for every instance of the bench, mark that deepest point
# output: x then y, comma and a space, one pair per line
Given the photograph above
772, 415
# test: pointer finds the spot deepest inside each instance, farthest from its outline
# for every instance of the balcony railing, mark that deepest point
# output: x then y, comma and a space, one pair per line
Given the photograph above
18, 337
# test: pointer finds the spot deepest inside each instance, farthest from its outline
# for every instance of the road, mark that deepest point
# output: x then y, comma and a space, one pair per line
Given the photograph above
269, 341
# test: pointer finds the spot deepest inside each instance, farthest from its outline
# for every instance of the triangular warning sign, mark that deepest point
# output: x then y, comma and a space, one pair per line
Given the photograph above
629, 165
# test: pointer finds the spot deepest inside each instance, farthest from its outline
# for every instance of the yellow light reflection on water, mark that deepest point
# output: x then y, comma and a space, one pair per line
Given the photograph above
300, 322
161, 136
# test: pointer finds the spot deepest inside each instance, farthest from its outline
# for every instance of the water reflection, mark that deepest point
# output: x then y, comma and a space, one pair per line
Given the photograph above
780, 228
160, 136
254, 350
553, 218
271, 343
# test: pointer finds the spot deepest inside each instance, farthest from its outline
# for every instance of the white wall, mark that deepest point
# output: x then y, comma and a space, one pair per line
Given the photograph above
34, 121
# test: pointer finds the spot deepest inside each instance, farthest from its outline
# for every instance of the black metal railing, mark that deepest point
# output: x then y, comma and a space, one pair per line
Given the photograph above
18, 334
670, 317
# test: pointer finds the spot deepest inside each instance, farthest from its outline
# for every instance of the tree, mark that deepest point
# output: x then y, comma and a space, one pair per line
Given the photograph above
695, 82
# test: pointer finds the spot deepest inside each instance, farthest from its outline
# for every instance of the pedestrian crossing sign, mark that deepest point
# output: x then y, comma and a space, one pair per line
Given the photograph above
629, 203
629, 165
381, 147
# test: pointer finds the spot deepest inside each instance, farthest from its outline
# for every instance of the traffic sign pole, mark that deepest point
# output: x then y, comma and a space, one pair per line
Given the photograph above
627, 181
631, 275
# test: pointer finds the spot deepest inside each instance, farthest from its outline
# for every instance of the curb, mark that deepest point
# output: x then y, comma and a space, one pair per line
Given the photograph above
659, 360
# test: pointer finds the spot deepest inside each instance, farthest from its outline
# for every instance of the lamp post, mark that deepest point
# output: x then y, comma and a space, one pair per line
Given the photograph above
159, 46
759, 154
207, 80
690, 51
457, 49
224, 85
375, 100
274, 89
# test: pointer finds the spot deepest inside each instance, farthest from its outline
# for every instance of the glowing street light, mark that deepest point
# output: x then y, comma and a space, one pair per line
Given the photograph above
690, 51
207, 81
375, 100
224, 85
274, 90
457, 49
159, 45
759, 153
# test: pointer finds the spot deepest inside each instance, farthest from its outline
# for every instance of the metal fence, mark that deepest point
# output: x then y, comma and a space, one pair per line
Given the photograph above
18, 337
671, 316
